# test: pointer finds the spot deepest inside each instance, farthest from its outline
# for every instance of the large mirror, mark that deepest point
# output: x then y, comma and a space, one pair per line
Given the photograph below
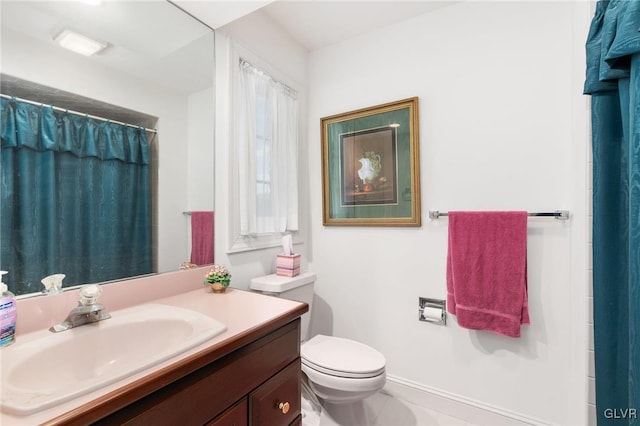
155, 73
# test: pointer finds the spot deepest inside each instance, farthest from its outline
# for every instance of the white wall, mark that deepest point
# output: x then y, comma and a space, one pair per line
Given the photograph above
502, 126
201, 150
200, 158
23, 58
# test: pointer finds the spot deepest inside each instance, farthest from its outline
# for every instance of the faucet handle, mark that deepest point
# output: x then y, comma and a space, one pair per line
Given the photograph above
89, 294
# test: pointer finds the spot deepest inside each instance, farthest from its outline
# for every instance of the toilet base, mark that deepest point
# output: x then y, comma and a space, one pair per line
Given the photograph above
339, 397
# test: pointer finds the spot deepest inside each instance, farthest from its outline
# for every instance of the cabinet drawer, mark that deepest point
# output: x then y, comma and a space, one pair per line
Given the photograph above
277, 401
234, 416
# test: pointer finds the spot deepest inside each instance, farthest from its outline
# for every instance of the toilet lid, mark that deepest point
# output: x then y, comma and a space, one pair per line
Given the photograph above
342, 357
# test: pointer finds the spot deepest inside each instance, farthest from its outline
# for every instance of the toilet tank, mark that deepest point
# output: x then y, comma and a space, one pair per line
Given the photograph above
298, 288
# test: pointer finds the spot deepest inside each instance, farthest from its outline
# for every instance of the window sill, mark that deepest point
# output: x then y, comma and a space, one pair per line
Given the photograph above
247, 243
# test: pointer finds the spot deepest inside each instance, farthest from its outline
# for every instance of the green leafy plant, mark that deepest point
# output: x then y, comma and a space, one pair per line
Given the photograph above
218, 274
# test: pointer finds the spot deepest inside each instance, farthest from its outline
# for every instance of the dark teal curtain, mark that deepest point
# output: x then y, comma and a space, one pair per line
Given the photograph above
613, 81
75, 198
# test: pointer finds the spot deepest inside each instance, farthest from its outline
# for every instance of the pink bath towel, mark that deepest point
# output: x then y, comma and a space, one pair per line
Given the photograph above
487, 271
202, 238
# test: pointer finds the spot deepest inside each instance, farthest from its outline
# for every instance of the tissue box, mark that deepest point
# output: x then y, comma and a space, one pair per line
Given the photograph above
284, 272
288, 265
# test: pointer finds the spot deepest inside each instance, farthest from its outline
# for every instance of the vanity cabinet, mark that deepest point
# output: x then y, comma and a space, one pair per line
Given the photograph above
257, 384
275, 402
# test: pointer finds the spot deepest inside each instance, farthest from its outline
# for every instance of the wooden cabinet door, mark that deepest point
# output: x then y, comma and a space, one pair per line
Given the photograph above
234, 416
277, 401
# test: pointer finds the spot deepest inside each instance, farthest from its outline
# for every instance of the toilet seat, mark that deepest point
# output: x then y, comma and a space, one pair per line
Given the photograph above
341, 357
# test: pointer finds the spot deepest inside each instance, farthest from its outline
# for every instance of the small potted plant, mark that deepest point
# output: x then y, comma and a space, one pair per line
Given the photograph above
218, 278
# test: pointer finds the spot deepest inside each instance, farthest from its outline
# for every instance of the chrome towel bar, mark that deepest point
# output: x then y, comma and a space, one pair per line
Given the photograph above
558, 214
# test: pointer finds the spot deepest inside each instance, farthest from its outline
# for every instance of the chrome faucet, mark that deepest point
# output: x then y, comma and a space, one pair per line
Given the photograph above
87, 311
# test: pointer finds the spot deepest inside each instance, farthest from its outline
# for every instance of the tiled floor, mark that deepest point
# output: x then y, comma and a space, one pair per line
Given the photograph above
385, 410
389, 411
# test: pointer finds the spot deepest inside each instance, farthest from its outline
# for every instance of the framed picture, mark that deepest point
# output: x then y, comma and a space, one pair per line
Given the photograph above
370, 166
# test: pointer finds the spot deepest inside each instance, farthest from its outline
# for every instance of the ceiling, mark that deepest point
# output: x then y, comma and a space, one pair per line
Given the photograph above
156, 42
137, 33
319, 23
150, 40
216, 13
314, 23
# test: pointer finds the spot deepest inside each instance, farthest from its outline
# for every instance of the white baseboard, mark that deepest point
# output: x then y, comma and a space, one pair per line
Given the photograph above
474, 412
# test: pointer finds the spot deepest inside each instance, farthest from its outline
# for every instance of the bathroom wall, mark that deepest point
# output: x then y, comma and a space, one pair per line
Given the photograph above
201, 114
591, 369
591, 362
70, 72
502, 126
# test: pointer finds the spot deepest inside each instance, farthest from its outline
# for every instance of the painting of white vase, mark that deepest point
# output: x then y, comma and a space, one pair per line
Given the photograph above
369, 167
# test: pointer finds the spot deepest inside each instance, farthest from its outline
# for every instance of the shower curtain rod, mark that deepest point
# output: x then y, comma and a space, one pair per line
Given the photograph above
82, 114
558, 214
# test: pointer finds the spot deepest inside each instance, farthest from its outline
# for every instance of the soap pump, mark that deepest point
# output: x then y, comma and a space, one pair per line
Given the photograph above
7, 314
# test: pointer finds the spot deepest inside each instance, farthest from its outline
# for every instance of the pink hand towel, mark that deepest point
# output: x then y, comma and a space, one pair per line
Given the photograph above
202, 238
487, 271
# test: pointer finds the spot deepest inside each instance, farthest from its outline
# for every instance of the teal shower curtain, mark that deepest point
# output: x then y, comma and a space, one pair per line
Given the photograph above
75, 198
613, 81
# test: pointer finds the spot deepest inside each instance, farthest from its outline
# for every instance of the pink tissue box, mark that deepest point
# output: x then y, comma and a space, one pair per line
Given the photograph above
284, 272
288, 265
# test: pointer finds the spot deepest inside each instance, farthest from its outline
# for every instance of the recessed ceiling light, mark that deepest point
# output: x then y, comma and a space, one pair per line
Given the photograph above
79, 43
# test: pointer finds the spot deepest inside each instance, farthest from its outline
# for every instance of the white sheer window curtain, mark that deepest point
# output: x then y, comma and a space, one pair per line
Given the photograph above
267, 129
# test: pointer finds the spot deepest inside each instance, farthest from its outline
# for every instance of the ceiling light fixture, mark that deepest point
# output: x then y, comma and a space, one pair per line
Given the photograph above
79, 43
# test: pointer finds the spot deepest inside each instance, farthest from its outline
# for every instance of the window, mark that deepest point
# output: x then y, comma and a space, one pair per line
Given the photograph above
266, 123
264, 143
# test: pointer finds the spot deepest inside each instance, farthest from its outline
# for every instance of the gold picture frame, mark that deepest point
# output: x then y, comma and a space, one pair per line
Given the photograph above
371, 166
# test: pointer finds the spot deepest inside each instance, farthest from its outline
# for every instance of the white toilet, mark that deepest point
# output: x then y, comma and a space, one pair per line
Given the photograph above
340, 371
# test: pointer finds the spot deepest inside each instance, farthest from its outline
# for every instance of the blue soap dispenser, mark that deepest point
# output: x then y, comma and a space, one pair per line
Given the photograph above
7, 314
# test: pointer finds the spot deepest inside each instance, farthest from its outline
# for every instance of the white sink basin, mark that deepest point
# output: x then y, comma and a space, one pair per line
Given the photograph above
43, 369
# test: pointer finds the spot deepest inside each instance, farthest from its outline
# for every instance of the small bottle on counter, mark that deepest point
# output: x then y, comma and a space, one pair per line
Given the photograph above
7, 314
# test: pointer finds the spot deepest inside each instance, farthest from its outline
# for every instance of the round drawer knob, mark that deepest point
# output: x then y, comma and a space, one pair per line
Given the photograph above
284, 407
